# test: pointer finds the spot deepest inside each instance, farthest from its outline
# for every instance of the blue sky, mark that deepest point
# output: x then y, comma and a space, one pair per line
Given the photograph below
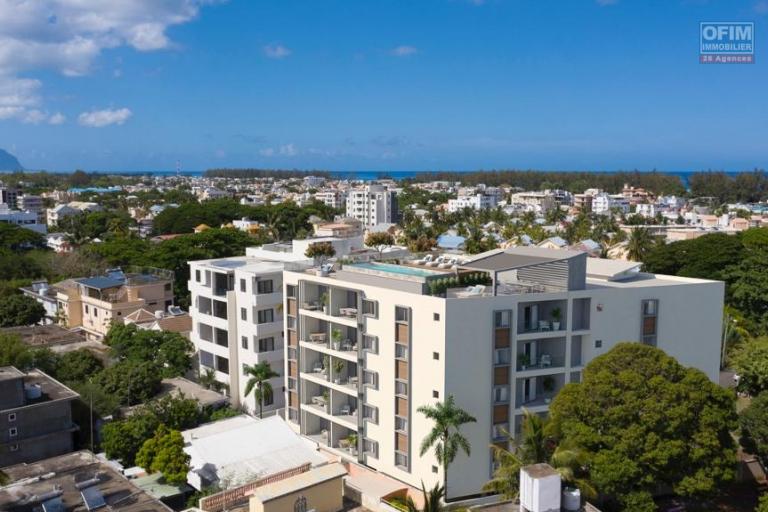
379, 85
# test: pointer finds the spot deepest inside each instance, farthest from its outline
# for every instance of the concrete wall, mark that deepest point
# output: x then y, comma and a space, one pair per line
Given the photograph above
323, 497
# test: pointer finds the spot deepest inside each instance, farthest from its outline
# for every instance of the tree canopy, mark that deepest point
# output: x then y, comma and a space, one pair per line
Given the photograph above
18, 310
646, 421
168, 351
164, 453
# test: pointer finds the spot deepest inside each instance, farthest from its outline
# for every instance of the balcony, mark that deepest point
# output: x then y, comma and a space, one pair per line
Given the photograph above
542, 362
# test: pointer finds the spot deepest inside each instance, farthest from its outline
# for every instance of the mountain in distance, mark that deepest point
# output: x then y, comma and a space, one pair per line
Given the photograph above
8, 162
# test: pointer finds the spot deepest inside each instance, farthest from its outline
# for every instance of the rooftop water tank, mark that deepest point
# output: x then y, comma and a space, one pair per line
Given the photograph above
571, 499
33, 391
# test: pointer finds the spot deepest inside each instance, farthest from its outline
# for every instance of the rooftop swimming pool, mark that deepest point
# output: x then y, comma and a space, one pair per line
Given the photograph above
394, 269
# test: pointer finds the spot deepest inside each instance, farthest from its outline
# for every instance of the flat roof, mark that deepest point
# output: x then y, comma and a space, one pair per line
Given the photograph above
517, 257
299, 482
10, 372
44, 335
100, 283
65, 472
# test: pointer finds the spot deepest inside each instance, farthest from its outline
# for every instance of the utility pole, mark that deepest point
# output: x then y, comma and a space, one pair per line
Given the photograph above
90, 409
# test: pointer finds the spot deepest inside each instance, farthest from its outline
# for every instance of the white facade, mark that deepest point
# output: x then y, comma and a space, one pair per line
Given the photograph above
332, 198
476, 202
28, 220
372, 205
401, 348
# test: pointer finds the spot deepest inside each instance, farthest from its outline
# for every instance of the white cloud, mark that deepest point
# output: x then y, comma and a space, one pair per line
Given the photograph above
403, 51
106, 117
68, 35
57, 119
276, 51
288, 150
267, 152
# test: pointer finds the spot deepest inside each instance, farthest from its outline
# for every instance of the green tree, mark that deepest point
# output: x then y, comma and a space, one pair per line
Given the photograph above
379, 240
131, 382
258, 383
754, 426
646, 422
433, 500
20, 310
445, 436
640, 244
176, 412
77, 366
750, 362
14, 352
170, 351
122, 439
16, 238
321, 251
762, 505
164, 453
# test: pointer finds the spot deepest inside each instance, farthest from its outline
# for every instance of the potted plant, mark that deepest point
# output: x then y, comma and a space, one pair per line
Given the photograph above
324, 302
523, 360
352, 440
336, 337
327, 401
326, 364
556, 319
338, 367
548, 384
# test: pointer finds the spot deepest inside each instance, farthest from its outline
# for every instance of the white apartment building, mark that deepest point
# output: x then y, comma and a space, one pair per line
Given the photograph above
27, 220
332, 198
237, 309
537, 201
363, 361
602, 203
476, 202
373, 204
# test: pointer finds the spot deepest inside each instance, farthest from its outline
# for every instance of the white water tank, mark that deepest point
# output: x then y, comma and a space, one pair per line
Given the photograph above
540, 488
571, 499
33, 391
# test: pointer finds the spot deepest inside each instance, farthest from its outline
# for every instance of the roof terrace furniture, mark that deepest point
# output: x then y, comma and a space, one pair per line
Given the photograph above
318, 337
348, 312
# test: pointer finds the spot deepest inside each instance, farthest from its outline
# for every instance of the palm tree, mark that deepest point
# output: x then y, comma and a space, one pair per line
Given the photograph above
536, 445
258, 382
445, 436
639, 244
432, 500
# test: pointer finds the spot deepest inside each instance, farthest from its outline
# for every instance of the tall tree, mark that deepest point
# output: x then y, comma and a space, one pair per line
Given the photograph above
639, 244
258, 383
379, 240
433, 500
647, 422
446, 437
20, 310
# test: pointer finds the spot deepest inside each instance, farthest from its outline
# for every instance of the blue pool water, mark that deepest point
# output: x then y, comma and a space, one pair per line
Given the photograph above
395, 269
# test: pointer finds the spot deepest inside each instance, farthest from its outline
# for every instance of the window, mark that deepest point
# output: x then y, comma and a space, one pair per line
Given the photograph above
434, 469
206, 359
95, 312
501, 318
167, 287
269, 399
205, 332
401, 388
501, 394
402, 314
370, 308
435, 356
371, 448
435, 394
12, 416
265, 316
204, 305
243, 314
370, 379
222, 364
292, 353
267, 344
290, 290
14, 447
245, 369
598, 343
650, 313
265, 286
436, 317
371, 413
221, 337
401, 460
291, 324
197, 275
13, 431
220, 309
401, 351
86, 309
370, 343
244, 342
401, 424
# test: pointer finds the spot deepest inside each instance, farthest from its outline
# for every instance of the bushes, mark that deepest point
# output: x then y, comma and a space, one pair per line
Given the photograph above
441, 285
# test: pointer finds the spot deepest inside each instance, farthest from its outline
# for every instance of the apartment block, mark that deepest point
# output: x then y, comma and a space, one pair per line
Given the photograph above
372, 204
369, 344
237, 318
35, 416
91, 304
